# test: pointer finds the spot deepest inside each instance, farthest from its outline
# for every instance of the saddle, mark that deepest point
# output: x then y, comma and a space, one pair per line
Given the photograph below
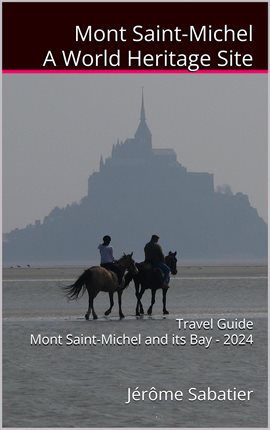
154, 274
114, 269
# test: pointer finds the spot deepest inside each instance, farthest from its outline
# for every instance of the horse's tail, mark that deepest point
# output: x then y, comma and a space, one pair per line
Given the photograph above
73, 291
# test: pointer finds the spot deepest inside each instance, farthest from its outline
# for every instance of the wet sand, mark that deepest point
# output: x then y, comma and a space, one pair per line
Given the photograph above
86, 385
70, 272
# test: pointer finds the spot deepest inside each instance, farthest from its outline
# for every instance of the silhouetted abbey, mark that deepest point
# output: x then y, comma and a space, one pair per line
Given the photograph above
138, 191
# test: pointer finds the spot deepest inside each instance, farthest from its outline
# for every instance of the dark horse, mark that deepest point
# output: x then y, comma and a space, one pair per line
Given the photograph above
98, 279
146, 278
153, 279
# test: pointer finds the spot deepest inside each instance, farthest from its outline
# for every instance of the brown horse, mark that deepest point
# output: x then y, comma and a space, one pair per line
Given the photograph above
96, 279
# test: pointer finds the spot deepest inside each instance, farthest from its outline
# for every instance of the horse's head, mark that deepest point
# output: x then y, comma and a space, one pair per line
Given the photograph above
171, 261
127, 262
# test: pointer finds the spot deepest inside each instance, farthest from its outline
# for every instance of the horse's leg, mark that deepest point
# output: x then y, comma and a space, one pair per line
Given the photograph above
93, 310
108, 311
121, 315
153, 299
140, 304
139, 294
90, 305
164, 294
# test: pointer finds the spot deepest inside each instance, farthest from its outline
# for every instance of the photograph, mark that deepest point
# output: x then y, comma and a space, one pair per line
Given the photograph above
134, 215
146, 186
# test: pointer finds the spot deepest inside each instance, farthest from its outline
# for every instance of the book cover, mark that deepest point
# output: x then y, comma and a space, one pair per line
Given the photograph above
135, 214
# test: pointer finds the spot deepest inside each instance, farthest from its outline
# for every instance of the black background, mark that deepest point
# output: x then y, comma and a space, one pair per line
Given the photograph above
31, 29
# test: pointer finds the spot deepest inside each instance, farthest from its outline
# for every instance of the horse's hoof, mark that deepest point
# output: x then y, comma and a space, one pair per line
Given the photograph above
95, 317
166, 312
149, 312
122, 316
107, 313
86, 317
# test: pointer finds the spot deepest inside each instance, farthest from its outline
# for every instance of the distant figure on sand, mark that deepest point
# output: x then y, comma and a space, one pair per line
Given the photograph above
154, 255
107, 259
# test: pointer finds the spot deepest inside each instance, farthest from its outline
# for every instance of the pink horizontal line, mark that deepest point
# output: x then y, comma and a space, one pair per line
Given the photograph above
131, 71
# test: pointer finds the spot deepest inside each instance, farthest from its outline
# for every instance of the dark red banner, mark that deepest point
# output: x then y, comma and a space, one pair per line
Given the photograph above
135, 36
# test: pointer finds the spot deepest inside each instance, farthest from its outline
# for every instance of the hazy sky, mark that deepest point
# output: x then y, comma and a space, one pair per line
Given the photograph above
56, 127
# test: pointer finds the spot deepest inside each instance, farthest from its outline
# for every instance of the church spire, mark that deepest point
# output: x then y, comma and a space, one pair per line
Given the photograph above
142, 109
143, 136
101, 163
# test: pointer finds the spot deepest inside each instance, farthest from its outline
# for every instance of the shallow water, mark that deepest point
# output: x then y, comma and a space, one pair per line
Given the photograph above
86, 385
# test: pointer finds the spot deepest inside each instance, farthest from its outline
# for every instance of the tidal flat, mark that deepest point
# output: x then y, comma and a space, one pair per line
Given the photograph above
85, 385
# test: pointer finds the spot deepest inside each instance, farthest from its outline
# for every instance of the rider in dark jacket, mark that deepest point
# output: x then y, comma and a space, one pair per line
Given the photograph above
154, 255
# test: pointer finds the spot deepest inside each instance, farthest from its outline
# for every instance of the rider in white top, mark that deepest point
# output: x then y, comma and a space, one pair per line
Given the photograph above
107, 258
106, 253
